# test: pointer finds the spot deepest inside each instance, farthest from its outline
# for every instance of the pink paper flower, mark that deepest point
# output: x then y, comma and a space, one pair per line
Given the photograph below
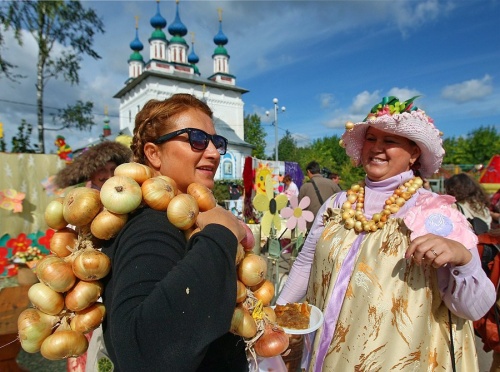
434, 214
295, 214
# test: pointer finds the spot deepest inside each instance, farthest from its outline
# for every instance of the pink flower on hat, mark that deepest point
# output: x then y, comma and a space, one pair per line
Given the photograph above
434, 214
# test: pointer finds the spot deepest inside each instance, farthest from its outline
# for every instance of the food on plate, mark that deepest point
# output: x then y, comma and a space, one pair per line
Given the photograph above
293, 315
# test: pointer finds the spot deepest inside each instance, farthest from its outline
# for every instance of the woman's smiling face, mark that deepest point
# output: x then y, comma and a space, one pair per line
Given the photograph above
385, 155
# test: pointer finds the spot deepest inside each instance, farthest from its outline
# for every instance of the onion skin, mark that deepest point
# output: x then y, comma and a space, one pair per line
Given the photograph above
242, 323
182, 211
83, 295
89, 319
158, 192
55, 273
252, 269
241, 292
64, 344
91, 264
34, 327
137, 171
81, 205
240, 254
107, 224
62, 241
203, 195
264, 291
53, 215
121, 194
273, 342
46, 299
269, 314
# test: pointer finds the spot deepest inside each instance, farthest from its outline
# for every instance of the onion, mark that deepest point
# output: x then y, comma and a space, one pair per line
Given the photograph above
248, 242
90, 264
242, 323
83, 294
34, 327
54, 214
137, 171
269, 314
203, 195
241, 292
89, 319
55, 273
46, 299
191, 231
81, 205
121, 194
182, 211
273, 342
240, 253
252, 269
157, 192
64, 344
264, 291
63, 242
107, 224
170, 181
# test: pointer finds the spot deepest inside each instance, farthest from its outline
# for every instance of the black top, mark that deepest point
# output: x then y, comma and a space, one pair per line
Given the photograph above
169, 303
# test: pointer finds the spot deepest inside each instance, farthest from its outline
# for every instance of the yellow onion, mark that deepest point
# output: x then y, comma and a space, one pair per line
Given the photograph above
34, 327
121, 194
203, 195
241, 292
81, 205
83, 294
138, 172
182, 211
170, 181
252, 269
264, 291
46, 299
107, 224
273, 342
88, 319
64, 344
157, 192
240, 253
269, 314
242, 323
63, 242
55, 273
53, 215
90, 264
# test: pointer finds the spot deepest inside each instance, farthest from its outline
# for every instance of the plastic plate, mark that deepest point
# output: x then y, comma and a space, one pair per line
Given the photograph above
315, 321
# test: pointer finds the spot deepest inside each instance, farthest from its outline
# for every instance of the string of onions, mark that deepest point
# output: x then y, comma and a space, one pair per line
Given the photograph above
66, 302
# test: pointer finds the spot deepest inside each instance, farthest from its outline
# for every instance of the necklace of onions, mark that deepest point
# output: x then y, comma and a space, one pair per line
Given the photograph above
66, 298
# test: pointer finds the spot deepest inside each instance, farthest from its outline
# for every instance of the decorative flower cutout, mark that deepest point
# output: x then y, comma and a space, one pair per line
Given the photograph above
295, 214
433, 214
19, 244
271, 206
11, 199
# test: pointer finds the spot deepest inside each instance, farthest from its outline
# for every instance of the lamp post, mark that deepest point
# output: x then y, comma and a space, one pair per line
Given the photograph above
275, 123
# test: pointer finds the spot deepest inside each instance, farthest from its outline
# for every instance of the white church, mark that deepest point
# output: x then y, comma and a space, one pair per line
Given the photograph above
170, 70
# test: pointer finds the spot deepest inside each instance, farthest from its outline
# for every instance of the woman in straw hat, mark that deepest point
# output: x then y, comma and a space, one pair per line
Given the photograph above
390, 264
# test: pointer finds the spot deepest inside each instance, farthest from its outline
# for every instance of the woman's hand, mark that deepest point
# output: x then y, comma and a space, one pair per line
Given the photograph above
223, 217
436, 251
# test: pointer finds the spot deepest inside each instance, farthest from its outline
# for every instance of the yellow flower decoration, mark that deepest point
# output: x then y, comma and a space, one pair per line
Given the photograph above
271, 206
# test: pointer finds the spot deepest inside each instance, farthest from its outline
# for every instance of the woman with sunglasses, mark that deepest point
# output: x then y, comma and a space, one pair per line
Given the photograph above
169, 300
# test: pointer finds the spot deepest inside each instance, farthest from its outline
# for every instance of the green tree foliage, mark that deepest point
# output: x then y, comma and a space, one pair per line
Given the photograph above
79, 116
21, 142
5, 66
255, 135
476, 148
53, 23
287, 148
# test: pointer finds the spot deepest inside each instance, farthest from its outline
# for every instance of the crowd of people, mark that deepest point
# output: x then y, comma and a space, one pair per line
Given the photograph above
392, 265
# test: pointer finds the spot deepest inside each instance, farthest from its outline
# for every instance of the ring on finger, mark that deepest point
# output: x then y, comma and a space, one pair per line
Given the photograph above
434, 252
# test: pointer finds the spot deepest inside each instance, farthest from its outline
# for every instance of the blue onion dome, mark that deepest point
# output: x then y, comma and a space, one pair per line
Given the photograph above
136, 44
220, 38
177, 28
220, 50
192, 57
157, 21
178, 40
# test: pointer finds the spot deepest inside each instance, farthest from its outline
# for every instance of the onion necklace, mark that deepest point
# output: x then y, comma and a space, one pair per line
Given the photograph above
355, 219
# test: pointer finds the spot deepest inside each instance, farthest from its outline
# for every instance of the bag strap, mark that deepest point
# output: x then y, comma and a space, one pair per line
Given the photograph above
317, 192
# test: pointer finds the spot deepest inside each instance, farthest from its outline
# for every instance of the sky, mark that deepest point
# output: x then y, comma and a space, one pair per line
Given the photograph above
327, 62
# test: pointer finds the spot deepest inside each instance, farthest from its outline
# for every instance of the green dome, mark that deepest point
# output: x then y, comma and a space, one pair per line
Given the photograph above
136, 56
178, 40
158, 34
220, 50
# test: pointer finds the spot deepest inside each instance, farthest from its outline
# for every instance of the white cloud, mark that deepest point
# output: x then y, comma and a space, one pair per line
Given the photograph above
326, 100
403, 93
469, 90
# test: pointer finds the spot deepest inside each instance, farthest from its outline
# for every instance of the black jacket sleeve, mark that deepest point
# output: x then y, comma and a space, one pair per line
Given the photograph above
168, 300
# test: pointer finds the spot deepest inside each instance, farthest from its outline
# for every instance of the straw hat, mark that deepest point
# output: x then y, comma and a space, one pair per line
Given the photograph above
402, 119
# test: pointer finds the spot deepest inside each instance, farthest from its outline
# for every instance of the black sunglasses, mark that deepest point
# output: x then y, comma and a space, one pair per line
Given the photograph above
198, 139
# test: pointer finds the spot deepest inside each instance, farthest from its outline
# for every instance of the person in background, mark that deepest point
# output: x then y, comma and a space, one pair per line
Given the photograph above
290, 187
391, 264
494, 206
94, 166
471, 198
170, 300
318, 189
335, 177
